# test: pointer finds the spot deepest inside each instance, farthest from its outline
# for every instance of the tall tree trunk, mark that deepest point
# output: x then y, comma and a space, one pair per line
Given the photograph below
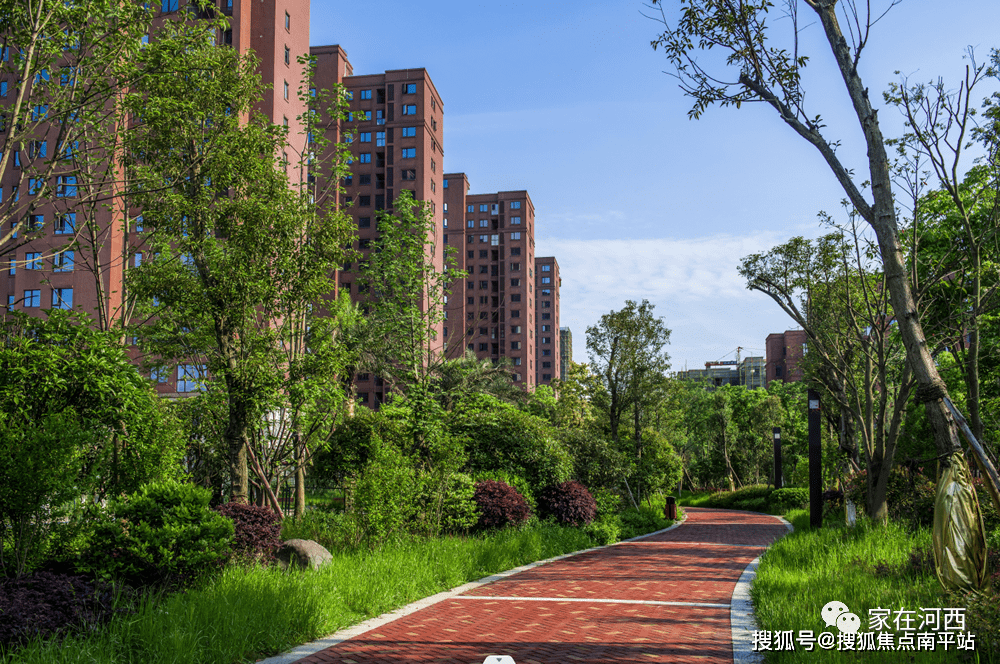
300, 477
881, 217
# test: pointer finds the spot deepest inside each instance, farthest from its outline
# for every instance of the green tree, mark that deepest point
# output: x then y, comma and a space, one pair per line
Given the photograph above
960, 275
241, 252
78, 421
626, 352
757, 69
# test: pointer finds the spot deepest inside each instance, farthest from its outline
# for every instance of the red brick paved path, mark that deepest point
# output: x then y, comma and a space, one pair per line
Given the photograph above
548, 614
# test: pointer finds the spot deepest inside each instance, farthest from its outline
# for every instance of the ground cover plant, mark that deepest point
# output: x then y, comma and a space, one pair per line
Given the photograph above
252, 612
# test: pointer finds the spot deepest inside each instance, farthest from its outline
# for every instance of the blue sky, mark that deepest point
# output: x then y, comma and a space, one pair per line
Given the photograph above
568, 101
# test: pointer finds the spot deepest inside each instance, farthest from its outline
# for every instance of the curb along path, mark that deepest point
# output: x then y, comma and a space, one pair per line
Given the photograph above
680, 595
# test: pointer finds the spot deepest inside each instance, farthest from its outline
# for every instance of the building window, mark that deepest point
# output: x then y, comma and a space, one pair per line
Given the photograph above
515, 221
366, 94
158, 374
62, 298
546, 316
408, 174
433, 187
484, 223
483, 346
36, 222
515, 236
546, 280
286, 89
364, 201
547, 376
546, 268
515, 313
546, 304
32, 298
444, 183
515, 345
515, 205
515, 283
433, 166
470, 223
190, 377
409, 88
12, 269
409, 109
515, 267
288, 56
777, 372
365, 137
364, 178
546, 340
409, 132
409, 153
63, 261
516, 297
33, 261
365, 158
546, 365
547, 352
546, 328
483, 239
169, 5
380, 139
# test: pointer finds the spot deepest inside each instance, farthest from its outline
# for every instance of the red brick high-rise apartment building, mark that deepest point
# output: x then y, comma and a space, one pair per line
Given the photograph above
497, 310
547, 338
397, 121
278, 31
785, 351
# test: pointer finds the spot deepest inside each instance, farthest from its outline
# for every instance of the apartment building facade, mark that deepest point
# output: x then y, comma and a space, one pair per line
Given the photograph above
43, 274
548, 340
565, 351
784, 351
395, 128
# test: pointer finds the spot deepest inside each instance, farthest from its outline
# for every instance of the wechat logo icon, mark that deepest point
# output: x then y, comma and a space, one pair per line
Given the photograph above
837, 613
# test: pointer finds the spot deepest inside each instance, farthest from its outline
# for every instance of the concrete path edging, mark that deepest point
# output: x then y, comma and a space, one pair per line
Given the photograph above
313, 647
741, 616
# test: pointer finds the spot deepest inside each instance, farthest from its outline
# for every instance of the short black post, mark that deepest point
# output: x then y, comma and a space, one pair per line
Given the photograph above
815, 463
777, 457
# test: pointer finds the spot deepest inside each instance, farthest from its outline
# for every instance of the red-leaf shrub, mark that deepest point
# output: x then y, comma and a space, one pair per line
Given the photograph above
258, 531
500, 505
570, 503
45, 604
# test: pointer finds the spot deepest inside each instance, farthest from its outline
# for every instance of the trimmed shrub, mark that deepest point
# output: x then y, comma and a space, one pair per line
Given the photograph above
639, 522
909, 496
257, 531
510, 479
162, 534
570, 503
500, 505
741, 499
782, 500
44, 604
604, 531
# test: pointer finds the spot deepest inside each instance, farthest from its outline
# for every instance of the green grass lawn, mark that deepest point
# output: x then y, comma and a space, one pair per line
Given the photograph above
865, 567
249, 613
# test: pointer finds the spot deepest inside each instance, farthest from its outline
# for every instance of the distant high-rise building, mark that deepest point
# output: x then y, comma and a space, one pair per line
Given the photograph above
565, 351
490, 312
548, 341
785, 351
752, 373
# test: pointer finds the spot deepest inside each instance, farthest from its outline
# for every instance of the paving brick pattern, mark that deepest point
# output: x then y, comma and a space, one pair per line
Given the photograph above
685, 564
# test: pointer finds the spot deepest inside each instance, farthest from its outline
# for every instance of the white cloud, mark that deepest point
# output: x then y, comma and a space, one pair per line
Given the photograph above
694, 284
